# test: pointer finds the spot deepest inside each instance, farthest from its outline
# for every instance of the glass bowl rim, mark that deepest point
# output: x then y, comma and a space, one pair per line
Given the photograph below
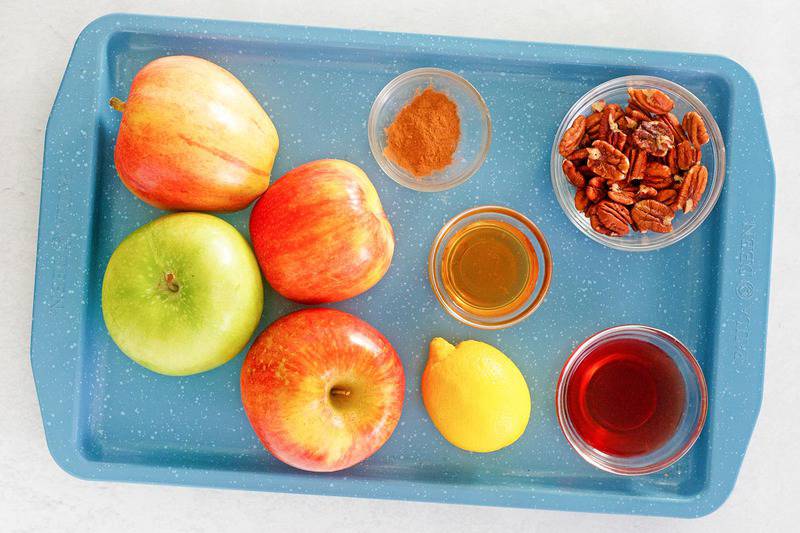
398, 175
589, 453
695, 219
545, 270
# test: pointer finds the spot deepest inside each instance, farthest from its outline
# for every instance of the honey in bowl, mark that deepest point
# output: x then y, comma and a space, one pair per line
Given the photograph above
489, 267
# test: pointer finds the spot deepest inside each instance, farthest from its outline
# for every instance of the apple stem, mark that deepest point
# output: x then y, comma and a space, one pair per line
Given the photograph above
117, 104
170, 279
340, 392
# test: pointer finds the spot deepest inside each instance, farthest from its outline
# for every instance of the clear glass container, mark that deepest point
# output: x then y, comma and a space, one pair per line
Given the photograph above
691, 421
476, 127
509, 316
713, 157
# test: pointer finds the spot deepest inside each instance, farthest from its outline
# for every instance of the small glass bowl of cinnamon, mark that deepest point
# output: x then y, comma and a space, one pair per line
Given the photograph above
429, 129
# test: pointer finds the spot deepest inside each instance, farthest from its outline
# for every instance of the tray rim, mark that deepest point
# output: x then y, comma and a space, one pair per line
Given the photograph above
63, 442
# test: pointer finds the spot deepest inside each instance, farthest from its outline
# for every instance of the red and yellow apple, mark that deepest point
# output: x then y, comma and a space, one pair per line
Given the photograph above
320, 233
192, 137
322, 389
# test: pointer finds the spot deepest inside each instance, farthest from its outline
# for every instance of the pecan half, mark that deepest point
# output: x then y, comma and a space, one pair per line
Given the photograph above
646, 192
618, 140
651, 100
621, 196
657, 176
614, 217
658, 182
687, 154
692, 188
581, 153
655, 169
695, 129
593, 123
606, 118
675, 125
637, 114
672, 161
594, 220
572, 137
607, 161
652, 215
581, 201
668, 197
572, 174
595, 190
638, 165
654, 137
598, 106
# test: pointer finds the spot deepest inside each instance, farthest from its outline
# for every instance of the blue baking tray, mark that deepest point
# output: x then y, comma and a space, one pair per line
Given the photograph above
108, 418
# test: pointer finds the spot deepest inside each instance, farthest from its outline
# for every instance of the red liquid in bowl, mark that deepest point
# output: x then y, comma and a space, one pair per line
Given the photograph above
626, 398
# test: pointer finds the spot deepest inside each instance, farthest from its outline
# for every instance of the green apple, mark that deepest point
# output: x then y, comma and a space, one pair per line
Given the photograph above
182, 294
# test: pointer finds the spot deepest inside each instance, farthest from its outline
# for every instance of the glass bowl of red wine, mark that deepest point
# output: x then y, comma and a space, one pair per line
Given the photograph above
631, 400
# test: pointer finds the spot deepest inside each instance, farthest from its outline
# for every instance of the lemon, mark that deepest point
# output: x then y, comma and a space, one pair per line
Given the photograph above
476, 396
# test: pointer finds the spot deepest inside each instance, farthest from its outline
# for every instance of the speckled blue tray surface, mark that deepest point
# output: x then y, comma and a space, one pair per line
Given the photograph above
108, 418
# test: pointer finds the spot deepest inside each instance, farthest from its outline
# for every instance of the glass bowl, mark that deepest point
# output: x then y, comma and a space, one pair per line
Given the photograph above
691, 421
713, 157
509, 316
476, 127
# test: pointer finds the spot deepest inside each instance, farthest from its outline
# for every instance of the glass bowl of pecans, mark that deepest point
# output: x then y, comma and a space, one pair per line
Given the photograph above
638, 163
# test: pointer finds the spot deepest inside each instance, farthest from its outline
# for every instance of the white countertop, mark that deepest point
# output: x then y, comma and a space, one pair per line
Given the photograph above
35, 41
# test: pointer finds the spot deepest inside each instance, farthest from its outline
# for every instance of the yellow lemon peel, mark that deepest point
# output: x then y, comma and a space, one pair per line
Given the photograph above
475, 395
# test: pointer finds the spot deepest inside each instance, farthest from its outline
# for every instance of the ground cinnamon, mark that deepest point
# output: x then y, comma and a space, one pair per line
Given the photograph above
425, 134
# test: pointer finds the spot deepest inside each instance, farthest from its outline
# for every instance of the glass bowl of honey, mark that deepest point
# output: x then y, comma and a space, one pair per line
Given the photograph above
631, 400
490, 267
